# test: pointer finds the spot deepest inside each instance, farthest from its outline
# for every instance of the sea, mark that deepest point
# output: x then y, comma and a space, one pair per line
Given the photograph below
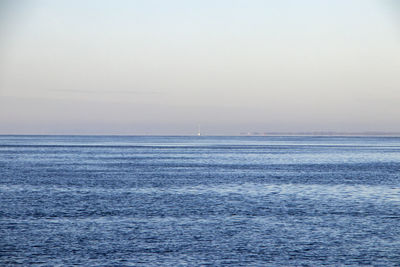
199, 201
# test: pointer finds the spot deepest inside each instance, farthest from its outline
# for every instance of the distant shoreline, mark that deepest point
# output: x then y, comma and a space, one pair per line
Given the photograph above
326, 134
255, 134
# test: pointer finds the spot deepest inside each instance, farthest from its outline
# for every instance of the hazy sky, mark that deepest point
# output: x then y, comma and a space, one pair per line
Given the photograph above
163, 67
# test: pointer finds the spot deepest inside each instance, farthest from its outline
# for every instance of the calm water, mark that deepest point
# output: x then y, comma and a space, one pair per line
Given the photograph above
151, 201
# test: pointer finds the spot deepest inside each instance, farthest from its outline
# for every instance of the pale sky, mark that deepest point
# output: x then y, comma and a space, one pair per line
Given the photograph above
163, 67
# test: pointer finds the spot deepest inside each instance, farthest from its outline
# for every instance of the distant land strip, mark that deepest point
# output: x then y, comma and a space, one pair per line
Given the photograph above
324, 133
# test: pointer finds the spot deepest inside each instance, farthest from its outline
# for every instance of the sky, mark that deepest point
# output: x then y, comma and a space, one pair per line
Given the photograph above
230, 66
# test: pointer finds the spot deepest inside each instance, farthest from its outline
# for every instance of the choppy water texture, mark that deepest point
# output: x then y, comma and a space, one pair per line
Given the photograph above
168, 201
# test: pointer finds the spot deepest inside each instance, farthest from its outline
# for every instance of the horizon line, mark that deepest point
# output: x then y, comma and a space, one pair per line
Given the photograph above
250, 134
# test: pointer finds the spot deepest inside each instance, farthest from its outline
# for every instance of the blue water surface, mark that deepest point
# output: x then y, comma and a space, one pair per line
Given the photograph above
177, 201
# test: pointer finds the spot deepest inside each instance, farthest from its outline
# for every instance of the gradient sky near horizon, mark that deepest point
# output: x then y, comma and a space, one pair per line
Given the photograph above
163, 67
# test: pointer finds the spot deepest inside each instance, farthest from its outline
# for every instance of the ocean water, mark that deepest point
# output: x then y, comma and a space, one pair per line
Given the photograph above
190, 201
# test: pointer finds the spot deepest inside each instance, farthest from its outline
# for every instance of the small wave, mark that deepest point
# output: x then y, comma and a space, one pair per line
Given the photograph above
311, 191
